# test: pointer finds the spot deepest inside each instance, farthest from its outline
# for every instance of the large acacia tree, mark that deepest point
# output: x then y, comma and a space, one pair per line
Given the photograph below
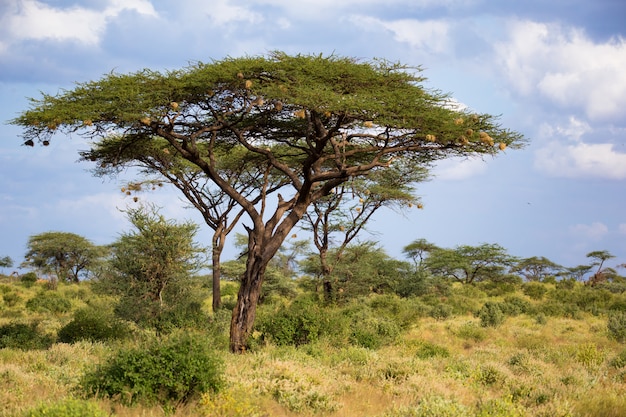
315, 121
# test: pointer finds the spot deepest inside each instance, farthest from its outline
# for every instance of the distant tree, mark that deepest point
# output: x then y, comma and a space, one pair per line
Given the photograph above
418, 250
468, 264
151, 268
6, 262
360, 269
316, 122
536, 268
336, 220
68, 256
601, 274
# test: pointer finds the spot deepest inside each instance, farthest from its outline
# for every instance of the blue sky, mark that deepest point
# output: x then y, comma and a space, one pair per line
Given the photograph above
555, 71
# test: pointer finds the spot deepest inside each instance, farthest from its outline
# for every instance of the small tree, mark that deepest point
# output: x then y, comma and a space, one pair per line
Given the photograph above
151, 267
468, 264
340, 217
68, 256
536, 268
6, 262
418, 251
601, 274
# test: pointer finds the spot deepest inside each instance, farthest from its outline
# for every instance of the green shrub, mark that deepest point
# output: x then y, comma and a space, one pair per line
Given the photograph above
49, 301
589, 356
616, 325
534, 290
93, 323
167, 372
426, 350
469, 331
11, 299
23, 336
491, 315
67, 408
441, 312
300, 323
619, 361
28, 279
372, 332
513, 306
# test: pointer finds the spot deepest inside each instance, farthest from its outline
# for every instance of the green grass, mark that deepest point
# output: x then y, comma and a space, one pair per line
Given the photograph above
559, 366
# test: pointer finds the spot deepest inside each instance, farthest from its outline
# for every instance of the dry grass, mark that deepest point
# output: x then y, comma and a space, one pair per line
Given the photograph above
558, 367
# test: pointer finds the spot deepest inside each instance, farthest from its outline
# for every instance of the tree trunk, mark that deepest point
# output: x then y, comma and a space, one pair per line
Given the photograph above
244, 312
218, 247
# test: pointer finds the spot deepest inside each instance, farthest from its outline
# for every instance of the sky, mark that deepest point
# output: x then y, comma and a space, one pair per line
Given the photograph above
554, 71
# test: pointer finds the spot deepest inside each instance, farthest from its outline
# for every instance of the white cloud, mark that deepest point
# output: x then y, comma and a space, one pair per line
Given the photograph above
567, 67
430, 35
222, 12
35, 20
622, 228
593, 231
566, 155
459, 169
581, 160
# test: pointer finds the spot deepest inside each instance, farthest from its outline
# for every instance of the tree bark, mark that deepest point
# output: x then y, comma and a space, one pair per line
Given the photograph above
244, 312
218, 246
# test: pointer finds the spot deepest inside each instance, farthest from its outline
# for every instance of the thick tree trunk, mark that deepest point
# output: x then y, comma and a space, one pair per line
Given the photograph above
244, 312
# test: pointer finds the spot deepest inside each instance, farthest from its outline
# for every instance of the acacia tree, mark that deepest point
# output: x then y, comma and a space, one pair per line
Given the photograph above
469, 264
67, 256
601, 274
157, 160
6, 262
537, 268
418, 250
315, 121
340, 216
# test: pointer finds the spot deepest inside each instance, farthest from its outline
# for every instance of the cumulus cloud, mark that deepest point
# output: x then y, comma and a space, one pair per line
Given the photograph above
567, 155
34, 20
594, 231
430, 35
565, 66
459, 169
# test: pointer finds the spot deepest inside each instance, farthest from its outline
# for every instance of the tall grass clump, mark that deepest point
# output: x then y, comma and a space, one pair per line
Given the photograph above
67, 408
167, 372
616, 325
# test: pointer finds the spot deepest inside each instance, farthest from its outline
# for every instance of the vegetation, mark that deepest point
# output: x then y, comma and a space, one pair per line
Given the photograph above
67, 256
303, 125
489, 348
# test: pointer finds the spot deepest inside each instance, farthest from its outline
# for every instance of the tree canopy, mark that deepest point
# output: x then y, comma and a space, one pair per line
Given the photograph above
68, 256
312, 123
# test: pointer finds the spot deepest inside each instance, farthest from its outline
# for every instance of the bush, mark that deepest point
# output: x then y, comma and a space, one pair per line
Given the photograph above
49, 301
491, 315
28, 279
427, 350
441, 312
67, 408
166, 372
619, 361
370, 330
616, 325
534, 290
11, 299
23, 336
512, 306
94, 323
300, 323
